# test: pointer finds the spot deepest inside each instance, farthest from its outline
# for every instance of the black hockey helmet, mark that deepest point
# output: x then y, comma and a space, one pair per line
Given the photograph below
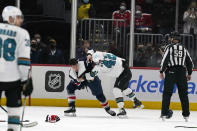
175, 35
73, 61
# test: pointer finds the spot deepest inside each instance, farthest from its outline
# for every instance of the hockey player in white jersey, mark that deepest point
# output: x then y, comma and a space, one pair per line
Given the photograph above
114, 66
14, 64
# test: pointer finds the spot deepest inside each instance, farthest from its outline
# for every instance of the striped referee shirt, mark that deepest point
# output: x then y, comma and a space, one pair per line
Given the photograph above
176, 55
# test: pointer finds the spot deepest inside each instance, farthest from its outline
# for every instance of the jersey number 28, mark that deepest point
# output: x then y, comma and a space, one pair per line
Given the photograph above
7, 49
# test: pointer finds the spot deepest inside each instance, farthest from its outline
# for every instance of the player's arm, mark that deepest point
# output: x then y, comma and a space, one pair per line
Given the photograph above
24, 56
165, 60
91, 75
189, 63
74, 79
24, 63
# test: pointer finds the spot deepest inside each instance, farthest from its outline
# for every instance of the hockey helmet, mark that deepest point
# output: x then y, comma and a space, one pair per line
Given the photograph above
11, 11
52, 118
175, 35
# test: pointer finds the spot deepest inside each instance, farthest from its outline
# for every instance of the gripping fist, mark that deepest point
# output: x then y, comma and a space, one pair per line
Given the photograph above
27, 87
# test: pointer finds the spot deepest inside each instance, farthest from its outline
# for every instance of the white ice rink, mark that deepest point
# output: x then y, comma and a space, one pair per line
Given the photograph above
96, 119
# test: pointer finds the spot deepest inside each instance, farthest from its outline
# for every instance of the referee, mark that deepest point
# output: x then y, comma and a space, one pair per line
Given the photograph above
176, 61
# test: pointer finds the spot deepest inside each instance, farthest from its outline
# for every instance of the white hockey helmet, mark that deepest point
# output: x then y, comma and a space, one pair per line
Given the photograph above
11, 11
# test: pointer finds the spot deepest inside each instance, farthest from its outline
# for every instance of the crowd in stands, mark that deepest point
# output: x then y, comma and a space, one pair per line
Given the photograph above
151, 16
45, 53
147, 55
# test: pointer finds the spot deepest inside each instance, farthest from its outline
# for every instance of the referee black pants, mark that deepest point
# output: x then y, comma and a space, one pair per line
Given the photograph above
175, 75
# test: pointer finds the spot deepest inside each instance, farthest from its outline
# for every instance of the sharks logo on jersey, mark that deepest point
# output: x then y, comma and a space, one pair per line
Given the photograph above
109, 60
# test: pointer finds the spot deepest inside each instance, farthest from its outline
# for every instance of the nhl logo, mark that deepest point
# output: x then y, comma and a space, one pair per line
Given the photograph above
54, 81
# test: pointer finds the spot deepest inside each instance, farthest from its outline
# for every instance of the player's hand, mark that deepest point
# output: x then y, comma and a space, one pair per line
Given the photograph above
81, 79
189, 77
27, 87
89, 58
161, 76
89, 77
160, 51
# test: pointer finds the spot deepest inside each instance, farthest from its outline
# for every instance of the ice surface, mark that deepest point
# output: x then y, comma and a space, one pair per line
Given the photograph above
96, 119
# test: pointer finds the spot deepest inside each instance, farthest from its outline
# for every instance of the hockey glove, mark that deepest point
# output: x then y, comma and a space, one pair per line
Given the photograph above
27, 87
89, 77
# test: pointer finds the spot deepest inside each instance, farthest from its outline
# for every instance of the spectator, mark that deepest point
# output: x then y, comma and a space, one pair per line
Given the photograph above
122, 14
190, 19
163, 16
41, 44
139, 58
82, 51
153, 56
143, 21
55, 56
140, 2
121, 28
85, 10
35, 53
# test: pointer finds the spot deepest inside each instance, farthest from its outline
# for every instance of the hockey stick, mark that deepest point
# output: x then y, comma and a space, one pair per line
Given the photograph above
7, 121
7, 112
32, 124
185, 127
4, 109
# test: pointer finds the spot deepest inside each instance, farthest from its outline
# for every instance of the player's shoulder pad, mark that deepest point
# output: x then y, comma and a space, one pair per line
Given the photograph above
23, 31
80, 62
169, 46
24, 35
115, 12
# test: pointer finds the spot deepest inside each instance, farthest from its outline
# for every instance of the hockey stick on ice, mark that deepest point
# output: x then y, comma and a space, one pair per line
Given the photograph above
7, 121
7, 112
185, 127
32, 124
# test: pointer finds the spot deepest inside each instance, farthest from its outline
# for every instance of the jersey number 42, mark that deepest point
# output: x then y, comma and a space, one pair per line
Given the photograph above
7, 49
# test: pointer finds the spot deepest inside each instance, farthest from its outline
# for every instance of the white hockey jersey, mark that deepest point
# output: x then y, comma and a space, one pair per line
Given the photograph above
73, 75
109, 64
14, 53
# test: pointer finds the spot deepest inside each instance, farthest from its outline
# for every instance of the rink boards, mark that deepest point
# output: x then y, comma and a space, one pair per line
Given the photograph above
50, 88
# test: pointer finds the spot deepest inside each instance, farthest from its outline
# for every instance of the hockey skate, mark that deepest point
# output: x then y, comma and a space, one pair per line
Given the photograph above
137, 104
109, 111
122, 113
164, 117
70, 112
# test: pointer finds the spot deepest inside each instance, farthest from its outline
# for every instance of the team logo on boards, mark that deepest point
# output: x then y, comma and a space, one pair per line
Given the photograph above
54, 81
